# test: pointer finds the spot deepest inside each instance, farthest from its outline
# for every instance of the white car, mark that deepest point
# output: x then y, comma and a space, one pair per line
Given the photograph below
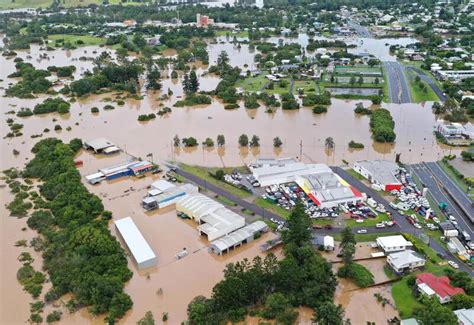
453, 264
417, 226
380, 225
359, 220
362, 231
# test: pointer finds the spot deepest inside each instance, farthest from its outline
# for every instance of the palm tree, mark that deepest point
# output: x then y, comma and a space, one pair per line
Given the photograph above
329, 143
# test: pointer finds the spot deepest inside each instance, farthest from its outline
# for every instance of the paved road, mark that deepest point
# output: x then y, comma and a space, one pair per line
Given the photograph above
403, 225
429, 81
397, 83
460, 197
361, 30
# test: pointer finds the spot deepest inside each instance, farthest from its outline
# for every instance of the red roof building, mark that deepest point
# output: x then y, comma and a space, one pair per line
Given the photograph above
440, 286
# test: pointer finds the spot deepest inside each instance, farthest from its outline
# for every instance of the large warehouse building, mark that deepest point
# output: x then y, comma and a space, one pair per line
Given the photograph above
382, 173
326, 189
214, 219
280, 171
133, 239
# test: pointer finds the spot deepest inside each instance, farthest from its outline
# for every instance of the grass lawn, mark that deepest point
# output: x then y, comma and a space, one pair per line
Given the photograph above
309, 86
355, 174
225, 200
368, 237
279, 90
272, 207
323, 222
203, 173
386, 91
404, 299
417, 93
253, 84
87, 40
242, 33
350, 222
459, 182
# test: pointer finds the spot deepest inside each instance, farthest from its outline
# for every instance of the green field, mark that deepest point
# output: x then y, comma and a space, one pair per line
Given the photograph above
416, 92
253, 84
351, 70
14, 4
273, 207
87, 40
242, 33
456, 179
350, 222
309, 86
203, 172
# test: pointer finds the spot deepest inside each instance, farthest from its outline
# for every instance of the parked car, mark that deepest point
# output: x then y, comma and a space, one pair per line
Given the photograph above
453, 264
380, 225
362, 231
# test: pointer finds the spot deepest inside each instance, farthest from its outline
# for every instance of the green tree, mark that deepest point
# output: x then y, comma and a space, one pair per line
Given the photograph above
329, 314
148, 319
255, 142
352, 81
347, 245
176, 141
208, 142
220, 140
277, 143
432, 312
193, 82
243, 140
299, 227
329, 143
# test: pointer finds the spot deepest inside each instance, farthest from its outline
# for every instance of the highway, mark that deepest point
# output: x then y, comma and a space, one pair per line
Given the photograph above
397, 82
430, 82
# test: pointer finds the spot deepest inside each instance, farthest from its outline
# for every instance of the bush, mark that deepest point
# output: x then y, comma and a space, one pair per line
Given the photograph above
54, 316
313, 99
382, 126
289, 102
146, 117
24, 112
94, 110
319, 109
57, 127
108, 107
355, 145
192, 100
231, 106
189, 142
52, 105
357, 273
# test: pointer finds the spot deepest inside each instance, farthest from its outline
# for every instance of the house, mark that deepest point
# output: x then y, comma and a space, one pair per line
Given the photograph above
382, 173
327, 242
391, 244
451, 130
438, 286
403, 261
465, 316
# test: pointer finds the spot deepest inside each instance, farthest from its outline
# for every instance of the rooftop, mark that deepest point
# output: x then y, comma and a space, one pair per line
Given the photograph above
393, 241
382, 171
99, 143
399, 259
134, 240
239, 235
439, 284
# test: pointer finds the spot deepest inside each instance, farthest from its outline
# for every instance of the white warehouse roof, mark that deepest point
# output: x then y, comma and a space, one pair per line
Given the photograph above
239, 236
393, 241
98, 143
382, 171
215, 219
136, 243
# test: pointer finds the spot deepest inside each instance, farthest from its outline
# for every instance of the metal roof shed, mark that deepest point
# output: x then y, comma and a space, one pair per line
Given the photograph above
238, 237
98, 145
133, 239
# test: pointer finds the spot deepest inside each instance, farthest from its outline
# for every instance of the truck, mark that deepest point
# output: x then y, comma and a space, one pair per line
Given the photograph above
451, 233
443, 206
466, 236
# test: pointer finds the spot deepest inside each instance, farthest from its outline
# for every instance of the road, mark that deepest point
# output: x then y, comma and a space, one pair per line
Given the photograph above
361, 30
461, 198
397, 83
403, 225
429, 81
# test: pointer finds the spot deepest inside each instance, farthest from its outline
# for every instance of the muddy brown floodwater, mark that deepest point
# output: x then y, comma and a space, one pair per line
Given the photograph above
301, 132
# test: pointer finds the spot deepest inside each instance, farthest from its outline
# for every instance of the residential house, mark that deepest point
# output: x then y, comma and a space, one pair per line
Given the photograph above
403, 261
437, 286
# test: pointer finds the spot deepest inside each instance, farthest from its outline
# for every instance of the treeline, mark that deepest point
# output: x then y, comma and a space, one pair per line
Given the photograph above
108, 74
272, 288
80, 254
382, 126
33, 81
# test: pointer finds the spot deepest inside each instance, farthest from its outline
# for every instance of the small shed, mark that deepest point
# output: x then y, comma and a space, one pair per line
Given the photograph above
327, 242
98, 145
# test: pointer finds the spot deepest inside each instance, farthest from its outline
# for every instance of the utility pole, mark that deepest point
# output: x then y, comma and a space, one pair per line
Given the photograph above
301, 149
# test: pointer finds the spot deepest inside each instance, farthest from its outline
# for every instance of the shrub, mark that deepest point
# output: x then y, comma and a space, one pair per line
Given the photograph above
57, 127
231, 106
94, 110
289, 102
319, 109
355, 145
52, 105
192, 100
189, 142
382, 126
146, 117
108, 107
357, 273
24, 112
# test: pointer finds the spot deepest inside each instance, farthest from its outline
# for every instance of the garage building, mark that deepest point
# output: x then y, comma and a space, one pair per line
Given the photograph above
136, 244
382, 173
214, 219
237, 238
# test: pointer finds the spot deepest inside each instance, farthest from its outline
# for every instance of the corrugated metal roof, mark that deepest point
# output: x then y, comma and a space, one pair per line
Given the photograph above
134, 240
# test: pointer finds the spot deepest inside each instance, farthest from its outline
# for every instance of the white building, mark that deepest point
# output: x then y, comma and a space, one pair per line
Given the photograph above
238, 237
465, 316
101, 145
214, 219
379, 172
391, 244
327, 242
164, 195
136, 244
280, 171
405, 261
451, 130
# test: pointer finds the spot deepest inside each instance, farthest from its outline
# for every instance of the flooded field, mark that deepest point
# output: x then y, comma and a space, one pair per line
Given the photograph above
353, 91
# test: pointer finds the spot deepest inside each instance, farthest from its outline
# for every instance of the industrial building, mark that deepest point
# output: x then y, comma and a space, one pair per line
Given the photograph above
164, 194
326, 189
395, 243
128, 168
214, 219
101, 145
136, 244
381, 173
239, 237
405, 261
280, 171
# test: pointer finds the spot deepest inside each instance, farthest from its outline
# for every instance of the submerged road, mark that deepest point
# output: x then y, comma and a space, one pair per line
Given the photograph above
397, 83
429, 81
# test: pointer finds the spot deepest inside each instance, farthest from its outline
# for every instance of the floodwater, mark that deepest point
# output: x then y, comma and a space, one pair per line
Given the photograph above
178, 280
303, 135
